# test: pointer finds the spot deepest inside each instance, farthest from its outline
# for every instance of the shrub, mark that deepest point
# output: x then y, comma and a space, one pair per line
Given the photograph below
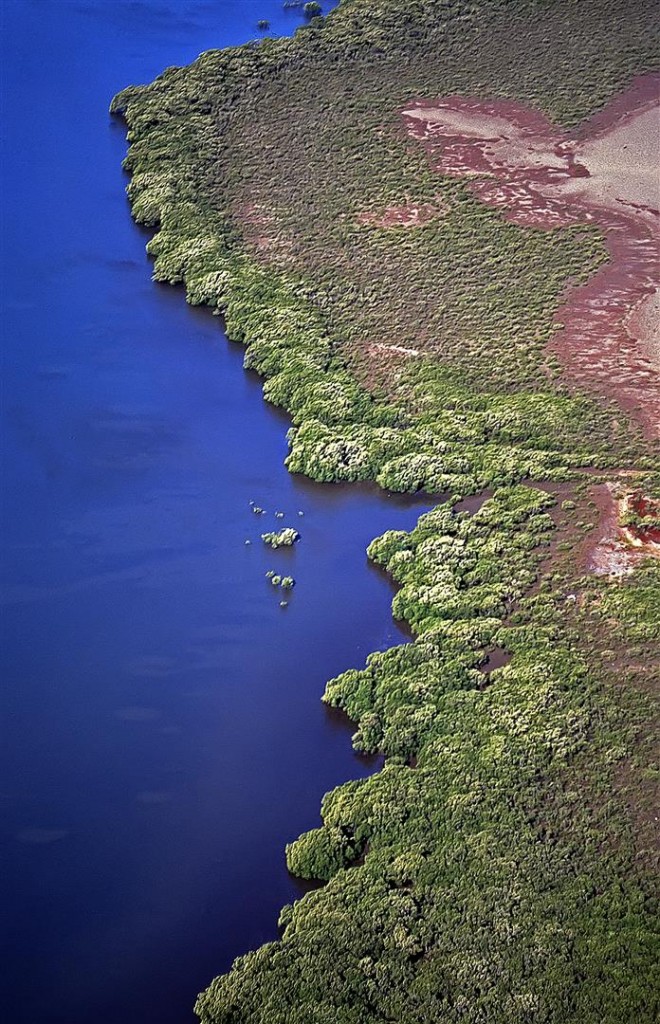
281, 538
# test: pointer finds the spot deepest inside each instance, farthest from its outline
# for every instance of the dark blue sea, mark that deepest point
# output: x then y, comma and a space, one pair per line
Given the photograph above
162, 731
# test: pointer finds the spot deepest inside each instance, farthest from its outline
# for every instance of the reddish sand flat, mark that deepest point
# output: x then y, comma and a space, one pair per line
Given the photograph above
605, 173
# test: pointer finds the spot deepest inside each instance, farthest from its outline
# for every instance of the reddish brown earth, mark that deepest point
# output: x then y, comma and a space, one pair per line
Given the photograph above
604, 173
643, 534
614, 549
407, 215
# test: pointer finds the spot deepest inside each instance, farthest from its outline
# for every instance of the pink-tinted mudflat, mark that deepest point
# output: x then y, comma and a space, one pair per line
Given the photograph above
604, 173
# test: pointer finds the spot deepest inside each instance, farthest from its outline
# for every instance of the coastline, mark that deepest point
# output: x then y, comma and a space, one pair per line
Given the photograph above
423, 703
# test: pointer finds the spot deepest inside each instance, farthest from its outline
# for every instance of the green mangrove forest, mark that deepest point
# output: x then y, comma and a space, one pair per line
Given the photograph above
501, 867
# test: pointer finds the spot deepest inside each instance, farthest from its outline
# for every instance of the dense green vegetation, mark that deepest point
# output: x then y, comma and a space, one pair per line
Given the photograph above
472, 878
499, 867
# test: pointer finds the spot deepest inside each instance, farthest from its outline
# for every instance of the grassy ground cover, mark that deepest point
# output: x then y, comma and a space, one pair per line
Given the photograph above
500, 866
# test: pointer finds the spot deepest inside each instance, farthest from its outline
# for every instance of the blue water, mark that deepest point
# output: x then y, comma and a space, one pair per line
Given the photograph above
163, 736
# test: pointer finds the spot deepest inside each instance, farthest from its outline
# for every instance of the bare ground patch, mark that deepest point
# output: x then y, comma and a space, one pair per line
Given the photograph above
405, 215
614, 549
606, 174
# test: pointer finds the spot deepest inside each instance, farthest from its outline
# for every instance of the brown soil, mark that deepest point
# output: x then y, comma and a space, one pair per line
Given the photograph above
261, 233
613, 549
606, 174
384, 365
407, 215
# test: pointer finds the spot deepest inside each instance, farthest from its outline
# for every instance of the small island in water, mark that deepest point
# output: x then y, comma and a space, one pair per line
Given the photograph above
434, 227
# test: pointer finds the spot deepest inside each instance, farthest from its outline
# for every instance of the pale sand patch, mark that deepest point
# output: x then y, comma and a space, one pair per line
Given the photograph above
623, 165
397, 348
644, 322
468, 123
503, 141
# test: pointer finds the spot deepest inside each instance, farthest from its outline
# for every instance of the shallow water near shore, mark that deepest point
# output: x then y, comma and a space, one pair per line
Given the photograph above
163, 736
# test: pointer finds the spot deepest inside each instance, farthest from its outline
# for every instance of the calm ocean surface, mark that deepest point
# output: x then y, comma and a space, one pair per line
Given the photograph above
162, 732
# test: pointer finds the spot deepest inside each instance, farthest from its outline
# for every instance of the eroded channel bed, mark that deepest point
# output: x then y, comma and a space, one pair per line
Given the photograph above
453, 299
